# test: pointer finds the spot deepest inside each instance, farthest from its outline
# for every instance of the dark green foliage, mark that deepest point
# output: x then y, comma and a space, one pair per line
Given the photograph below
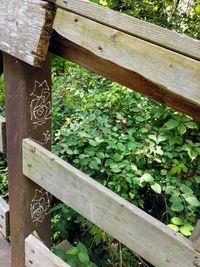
145, 152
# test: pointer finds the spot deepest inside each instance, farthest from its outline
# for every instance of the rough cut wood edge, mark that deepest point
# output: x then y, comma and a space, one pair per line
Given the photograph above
128, 78
38, 255
5, 254
1, 63
2, 134
25, 29
4, 218
133, 227
195, 237
135, 27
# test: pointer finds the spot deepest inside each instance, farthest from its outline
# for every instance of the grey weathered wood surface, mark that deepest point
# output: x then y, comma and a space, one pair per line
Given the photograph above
5, 254
38, 255
133, 227
195, 237
4, 218
2, 134
171, 72
1, 63
25, 29
141, 29
71, 51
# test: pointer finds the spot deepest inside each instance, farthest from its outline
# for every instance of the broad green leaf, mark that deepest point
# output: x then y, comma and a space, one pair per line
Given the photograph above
121, 147
193, 201
186, 229
175, 228
186, 189
92, 142
197, 9
171, 124
197, 179
147, 177
182, 129
177, 221
83, 257
72, 251
177, 206
156, 188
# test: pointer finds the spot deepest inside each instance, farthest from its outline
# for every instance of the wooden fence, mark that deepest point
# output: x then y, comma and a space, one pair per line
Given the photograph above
149, 59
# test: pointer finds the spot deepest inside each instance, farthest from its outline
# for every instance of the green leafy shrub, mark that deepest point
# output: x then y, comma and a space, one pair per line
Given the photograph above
145, 152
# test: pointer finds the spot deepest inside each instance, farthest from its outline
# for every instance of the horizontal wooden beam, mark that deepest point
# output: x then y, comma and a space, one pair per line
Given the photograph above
171, 72
96, 63
2, 134
38, 255
25, 29
135, 27
133, 227
4, 218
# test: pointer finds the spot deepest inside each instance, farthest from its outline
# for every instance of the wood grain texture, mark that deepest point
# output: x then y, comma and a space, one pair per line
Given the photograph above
133, 227
135, 27
195, 237
25, 29
171, 71
38, 255
126, 77
4, 218
2, 134
4, 252
28, 114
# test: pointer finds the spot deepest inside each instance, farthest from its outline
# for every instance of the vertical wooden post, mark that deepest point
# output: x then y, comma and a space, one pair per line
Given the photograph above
28, 114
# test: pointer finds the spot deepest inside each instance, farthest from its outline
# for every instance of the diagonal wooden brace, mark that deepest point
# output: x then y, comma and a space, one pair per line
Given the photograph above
25, 29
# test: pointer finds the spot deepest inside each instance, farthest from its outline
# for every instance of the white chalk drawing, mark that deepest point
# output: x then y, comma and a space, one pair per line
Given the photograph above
40, 107
40, 205
47, 137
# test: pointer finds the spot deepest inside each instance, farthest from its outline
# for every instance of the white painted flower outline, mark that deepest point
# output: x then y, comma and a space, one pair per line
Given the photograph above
40, 107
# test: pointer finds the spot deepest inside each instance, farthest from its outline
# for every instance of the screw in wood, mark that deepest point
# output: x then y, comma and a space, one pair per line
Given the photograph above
100, 48
33, 149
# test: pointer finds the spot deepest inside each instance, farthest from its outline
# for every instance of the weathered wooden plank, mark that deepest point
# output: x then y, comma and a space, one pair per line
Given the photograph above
4, 218
195, 237
38, 255
1, 63
133, 227
2, 134
124, 76
135, 27
25, 29
172, 72
28, 114
4, 252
